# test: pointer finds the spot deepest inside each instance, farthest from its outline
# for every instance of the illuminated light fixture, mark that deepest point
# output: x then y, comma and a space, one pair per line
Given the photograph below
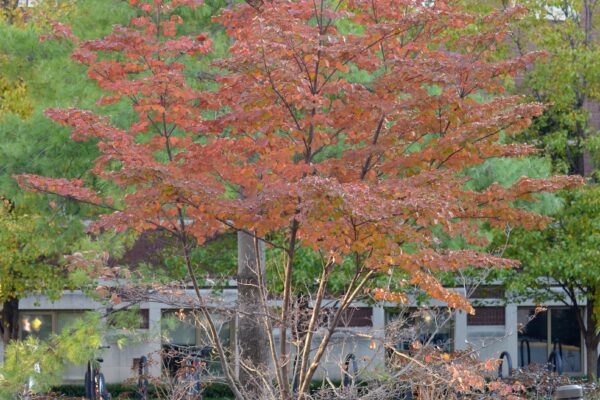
36, 324
26, 324
427, 317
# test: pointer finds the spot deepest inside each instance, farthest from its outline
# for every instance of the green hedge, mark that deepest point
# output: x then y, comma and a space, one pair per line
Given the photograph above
214, 390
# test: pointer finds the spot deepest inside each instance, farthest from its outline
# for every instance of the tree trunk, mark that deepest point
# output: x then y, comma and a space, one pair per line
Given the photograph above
591, 348
9, 322
301, 321
591, 338
251, 334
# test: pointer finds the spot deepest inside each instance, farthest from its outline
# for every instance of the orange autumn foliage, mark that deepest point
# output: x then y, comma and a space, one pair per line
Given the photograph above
342, 164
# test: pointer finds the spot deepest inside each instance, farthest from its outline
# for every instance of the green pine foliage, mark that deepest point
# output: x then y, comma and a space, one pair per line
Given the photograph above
44, 361
34, 144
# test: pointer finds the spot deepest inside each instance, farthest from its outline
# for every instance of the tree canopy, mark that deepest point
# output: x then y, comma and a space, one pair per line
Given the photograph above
566, 79
343, 129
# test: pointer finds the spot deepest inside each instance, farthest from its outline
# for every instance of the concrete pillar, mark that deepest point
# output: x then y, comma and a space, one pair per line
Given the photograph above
378, 320
460, 330
511, 330
155, 347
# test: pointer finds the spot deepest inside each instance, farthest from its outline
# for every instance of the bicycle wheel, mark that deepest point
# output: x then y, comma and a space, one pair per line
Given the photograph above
102, 391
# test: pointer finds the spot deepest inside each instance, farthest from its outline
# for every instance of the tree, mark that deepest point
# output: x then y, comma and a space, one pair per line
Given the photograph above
344, 128
566, 79
565, 254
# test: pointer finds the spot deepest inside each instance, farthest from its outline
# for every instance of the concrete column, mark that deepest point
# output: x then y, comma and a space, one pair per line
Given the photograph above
511, 330
155, 347
378, 320
460, 330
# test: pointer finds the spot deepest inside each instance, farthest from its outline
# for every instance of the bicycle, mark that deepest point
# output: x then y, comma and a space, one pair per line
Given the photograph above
95, 384
349, 377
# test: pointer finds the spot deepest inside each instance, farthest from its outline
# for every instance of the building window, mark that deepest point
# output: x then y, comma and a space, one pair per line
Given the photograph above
356, 317
488, 292
137, 318
144, 315
36, 324
541, 331
185, 335
42, 324
433, 325
487, 316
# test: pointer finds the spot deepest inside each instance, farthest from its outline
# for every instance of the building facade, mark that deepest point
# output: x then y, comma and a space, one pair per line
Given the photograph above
527, 332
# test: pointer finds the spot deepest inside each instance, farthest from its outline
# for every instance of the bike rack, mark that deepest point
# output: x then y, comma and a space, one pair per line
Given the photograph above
505, 355
557, 345
295, 382
89, 389
526, 342
142, 387
555, 363
350, 359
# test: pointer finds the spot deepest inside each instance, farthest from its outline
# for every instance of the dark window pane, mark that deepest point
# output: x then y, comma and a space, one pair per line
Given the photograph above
488, 292
565, 331
356, 317
144, 314
533, 329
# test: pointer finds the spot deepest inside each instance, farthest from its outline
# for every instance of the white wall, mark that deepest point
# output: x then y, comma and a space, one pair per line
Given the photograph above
487, 341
